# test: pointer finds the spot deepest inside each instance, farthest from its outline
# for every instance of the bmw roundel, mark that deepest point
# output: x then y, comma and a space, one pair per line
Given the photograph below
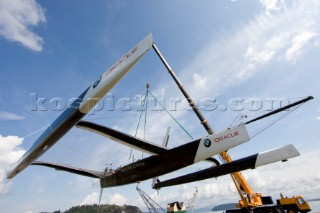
96, 83
207, 143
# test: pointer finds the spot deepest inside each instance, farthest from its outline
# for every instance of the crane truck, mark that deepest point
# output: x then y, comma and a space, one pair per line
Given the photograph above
255, 202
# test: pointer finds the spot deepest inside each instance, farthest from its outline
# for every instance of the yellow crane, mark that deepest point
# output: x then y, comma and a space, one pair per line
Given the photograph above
248, 197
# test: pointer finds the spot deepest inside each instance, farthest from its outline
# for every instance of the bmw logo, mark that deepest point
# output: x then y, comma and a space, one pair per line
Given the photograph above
207, 143
96, 83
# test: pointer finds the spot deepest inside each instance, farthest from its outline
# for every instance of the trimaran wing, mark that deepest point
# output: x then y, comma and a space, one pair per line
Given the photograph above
122, 138
250, 162
71, 169
82, 105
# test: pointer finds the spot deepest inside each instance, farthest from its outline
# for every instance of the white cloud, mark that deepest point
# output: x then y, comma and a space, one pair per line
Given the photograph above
10, 153
210, 192
117, 199
283, 177
217, 189
92, 198
283, 36
199, 80
16, 18
255, 179
10, 116
271, 5
298, 42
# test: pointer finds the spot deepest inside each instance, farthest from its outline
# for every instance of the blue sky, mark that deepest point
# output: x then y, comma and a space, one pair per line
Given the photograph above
219, 49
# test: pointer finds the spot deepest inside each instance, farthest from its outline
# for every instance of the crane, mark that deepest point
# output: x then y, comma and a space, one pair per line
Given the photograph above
152, 206
249, 199
190, 203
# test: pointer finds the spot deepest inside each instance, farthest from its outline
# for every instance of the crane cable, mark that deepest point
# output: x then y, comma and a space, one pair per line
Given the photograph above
171, 115
145, 108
